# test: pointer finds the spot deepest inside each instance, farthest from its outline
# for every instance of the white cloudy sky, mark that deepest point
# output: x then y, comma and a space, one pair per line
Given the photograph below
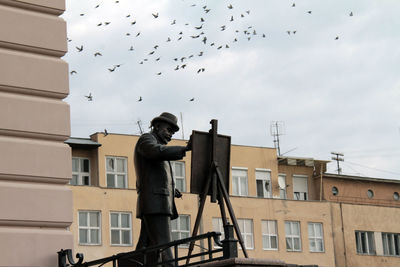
330, 94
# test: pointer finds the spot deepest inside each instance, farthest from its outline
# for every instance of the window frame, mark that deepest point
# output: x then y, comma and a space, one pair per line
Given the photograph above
267, 193
269, 234
282, 189
120, 228
315, 237
180, 231
115, 173
88, 228
183, 178
291, 237
391, 242
79, 173
238, 185
368, 235
246, 234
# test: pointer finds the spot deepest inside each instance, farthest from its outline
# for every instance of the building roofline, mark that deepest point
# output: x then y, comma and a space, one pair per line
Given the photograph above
78, 142
359, 178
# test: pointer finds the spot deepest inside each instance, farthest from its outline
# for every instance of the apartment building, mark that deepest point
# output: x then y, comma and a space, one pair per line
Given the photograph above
287, 208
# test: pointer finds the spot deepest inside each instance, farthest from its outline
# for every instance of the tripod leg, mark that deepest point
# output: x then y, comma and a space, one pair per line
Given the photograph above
230, 209
222, 207
198, 218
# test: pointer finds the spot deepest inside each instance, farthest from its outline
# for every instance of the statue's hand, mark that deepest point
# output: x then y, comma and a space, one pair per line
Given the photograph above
178, 194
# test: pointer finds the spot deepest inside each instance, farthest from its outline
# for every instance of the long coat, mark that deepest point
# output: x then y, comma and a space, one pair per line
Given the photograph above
154, 181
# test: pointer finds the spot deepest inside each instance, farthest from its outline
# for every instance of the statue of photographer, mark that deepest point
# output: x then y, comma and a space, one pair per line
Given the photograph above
155, 184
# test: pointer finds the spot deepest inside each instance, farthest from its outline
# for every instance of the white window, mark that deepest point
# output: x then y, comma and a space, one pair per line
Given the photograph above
246, 229
239, 182
180, 228
116, 172
391, 244
218, 226
365, 242
121, 228
282, 186
300, 191
293, 240
80, 171
178, 170
316, 237
89, 227
263, 182
269, 235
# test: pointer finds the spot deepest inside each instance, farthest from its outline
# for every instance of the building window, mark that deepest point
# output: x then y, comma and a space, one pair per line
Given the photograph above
269, 235
300, 190
80, 171
396, 196
121, 228
263, 182
116, 172
391, 244
218, 226
335, 191
246, 229
370, 193
180, 228
178, 169
316, 237
89, 227
239, 182
293, 240
365, 242
282, 186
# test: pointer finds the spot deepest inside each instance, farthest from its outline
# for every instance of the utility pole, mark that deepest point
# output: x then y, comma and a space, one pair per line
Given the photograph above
338, 158
276, 129
183, 134
139, 123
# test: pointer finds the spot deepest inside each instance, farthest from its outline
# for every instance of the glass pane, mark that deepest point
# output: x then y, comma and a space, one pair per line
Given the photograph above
110, 180
179, 169
125, 221
264, 227
175, 236
289, 243
120, 165
83, 236
265, 241
248, 226
85, 180
320, 245
74, 180
272, 227
85, 165
184, 222
296, 243
110, 164
312, 245
243, 187
94, 219
235, 189
121, 181
311, 230
114, 220
371, 243
288, 230
115, 237
296, 230
126, 237
274, 242
94, 236
318, 230
179, 185
75, 164
184, 235
249, 241
174, 224
83, 219
260, 188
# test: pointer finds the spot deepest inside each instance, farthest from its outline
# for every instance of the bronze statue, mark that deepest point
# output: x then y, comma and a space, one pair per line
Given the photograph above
155, 184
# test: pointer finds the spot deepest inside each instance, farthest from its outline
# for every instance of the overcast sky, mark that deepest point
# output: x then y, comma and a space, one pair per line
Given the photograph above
327, 71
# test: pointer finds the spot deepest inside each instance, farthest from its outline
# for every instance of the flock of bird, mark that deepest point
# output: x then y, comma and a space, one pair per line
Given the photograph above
198, 34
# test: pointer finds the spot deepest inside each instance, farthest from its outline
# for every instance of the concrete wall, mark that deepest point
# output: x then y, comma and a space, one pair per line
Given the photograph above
35, 164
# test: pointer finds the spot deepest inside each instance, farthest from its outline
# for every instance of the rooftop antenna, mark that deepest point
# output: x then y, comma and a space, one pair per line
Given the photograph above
277, 129
183, 133
139, 123
337, 158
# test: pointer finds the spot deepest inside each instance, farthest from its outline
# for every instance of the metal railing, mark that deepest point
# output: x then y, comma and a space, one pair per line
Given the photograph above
148, 256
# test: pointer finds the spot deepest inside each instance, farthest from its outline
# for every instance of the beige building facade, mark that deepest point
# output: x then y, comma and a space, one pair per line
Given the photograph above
35, 201
280, 208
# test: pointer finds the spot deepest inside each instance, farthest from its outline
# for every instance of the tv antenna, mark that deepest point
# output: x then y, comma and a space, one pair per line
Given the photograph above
337, 158
139, 123
183, 133
277, 129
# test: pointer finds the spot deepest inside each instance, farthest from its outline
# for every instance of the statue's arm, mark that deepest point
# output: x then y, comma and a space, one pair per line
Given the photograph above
148, 147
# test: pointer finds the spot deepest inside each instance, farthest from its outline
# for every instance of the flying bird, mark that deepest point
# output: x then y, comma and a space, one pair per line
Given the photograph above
173, 22
97, 6
73, 72
128, 15
201, 20
183, 66
177, 67
169, 39
131, 48
159, 73
140, 99
204, 40
133, 22
89, 97
106, 23
82, 14
105, 132
293, 5
231, 18
199, 27
192, 99
201, 53
309, 11
99, 24
207, 10
230, 6
97, 54
137, 34
351, 14
79, 48
112, 69
155, 15
337, 38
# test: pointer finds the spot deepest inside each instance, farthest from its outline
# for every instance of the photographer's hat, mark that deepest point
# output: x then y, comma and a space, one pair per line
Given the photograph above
169, 118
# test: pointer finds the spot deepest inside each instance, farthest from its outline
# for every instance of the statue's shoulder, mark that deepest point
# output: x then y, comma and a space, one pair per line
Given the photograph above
147, 137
